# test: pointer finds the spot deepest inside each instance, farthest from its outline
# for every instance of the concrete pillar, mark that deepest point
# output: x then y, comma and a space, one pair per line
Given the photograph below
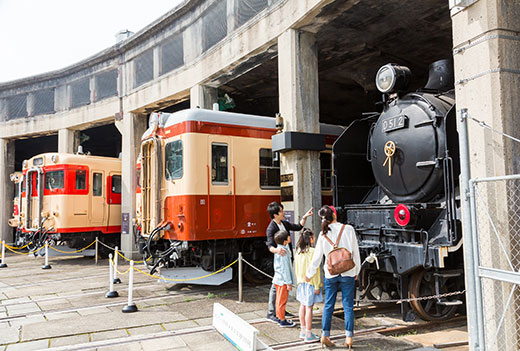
6, 188
68, 141
133, 128
487, 75
192, 42
232, 22
156, 61
30, 104
202, 96
61, 98
299, 106
3, 110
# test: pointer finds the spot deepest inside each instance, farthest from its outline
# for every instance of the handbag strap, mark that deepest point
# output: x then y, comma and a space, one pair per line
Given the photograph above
339, 237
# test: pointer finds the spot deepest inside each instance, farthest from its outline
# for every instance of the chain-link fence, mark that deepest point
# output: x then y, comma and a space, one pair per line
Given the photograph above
496, 223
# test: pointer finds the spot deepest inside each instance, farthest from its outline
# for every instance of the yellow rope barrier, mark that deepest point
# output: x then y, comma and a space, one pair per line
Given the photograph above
17, 248
16, 252
189, 279
128, 260
71, 252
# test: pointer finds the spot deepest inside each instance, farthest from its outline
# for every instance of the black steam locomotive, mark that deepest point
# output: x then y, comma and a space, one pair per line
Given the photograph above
396, 181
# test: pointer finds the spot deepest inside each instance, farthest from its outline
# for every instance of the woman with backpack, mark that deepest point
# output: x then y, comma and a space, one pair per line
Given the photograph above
334, 234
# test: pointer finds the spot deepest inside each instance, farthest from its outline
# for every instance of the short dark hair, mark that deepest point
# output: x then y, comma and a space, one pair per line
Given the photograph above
280, 237
274, 208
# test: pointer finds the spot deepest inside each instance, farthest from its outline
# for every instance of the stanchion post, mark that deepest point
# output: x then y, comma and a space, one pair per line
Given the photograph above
3, 264
130, 307
116, 279
46, 265
111, 293
240, 277
97, 248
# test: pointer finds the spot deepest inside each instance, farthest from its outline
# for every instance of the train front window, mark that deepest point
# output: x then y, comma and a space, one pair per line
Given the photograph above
97, 186
326, 171
116, 184
54, 180
219, 163
81, 180
269, 170
173, 159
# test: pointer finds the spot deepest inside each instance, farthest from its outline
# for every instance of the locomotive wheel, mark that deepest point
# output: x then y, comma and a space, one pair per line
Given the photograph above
422, 283
375, 289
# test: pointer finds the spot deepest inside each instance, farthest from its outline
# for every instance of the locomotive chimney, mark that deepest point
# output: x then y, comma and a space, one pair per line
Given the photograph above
440, 76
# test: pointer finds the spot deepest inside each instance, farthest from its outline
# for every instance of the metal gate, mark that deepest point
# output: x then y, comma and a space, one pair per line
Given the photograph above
495, 216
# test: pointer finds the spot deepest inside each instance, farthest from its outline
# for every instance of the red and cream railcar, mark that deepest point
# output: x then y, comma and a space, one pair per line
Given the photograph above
206, 178
71, 198
14, 222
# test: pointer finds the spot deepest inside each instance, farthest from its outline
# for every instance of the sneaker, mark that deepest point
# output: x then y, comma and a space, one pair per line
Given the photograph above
312, 338
289, 314
302, 335
273, 318
287, 323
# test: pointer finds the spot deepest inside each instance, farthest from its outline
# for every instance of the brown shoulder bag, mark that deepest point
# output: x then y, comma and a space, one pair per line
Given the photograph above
339, 260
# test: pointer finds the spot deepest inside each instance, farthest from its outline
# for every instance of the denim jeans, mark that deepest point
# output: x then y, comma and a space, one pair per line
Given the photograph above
271, 310
348, 291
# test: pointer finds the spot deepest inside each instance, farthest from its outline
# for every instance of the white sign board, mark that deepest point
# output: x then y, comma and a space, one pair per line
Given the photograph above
238, 332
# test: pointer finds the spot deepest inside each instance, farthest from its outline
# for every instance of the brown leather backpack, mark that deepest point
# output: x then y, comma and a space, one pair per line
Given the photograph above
339, 260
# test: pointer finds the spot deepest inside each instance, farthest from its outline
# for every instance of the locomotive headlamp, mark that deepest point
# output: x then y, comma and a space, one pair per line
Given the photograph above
392, 78
54, 158
24, 164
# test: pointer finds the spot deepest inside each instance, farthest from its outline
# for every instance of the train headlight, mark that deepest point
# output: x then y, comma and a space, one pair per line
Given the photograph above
24, 164
392, 78
54, 158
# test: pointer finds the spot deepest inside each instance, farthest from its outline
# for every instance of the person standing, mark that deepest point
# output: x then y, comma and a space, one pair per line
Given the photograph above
278, 222
283, 277
345, 281
307, 293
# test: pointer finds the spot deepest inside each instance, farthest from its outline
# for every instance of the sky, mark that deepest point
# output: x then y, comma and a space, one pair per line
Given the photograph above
38, 36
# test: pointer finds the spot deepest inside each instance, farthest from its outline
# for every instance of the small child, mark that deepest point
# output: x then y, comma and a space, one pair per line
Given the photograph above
307, 293
283, 277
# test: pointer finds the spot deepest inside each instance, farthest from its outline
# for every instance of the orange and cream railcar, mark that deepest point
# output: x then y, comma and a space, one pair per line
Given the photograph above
206, 178
71, 198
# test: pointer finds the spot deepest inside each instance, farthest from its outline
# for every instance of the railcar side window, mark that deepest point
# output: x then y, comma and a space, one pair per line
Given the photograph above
173, 160
54, 180
219, 163
269, 170
81, 179
97, 186
116, 184
326, 171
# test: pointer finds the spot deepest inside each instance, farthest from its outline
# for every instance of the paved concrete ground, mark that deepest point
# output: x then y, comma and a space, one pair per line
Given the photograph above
64, 309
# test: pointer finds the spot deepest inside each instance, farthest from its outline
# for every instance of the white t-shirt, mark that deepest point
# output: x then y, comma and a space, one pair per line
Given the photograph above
323, 247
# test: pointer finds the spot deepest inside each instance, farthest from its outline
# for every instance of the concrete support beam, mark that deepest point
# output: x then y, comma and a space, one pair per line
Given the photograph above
487, 75
68, 141
202, 96
133, 128
6, 188
299, 106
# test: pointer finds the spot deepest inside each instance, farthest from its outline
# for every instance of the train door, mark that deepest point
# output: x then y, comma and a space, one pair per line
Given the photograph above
97, 200
113, 198
221, 193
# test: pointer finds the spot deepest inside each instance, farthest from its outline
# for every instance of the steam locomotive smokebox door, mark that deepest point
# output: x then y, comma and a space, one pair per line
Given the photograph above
407, 168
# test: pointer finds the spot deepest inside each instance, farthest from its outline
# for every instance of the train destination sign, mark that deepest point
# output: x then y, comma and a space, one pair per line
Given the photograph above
394, 123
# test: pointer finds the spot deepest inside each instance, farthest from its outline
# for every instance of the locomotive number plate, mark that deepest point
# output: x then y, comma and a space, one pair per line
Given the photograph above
394, 123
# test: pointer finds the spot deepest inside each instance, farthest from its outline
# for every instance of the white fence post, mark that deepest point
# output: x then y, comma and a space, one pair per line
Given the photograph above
3, 264
130, 307
111, 293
